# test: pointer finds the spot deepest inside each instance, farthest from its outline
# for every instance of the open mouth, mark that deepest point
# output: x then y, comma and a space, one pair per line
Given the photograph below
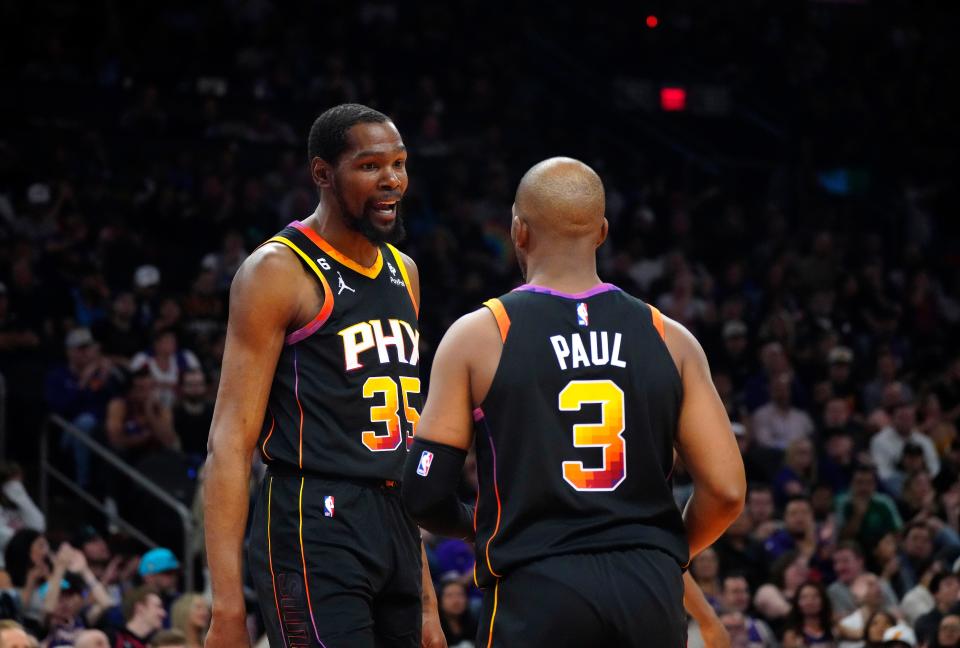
386, 208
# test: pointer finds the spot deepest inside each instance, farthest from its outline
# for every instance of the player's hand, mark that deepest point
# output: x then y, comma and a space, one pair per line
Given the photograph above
227, 633
715, 635
431, 635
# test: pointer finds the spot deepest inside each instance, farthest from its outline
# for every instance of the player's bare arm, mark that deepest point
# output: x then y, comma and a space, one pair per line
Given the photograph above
706, 445
463, 370
264, 303
696, 604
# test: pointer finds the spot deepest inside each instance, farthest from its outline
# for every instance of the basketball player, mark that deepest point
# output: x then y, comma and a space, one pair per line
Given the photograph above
577, 394
320, 377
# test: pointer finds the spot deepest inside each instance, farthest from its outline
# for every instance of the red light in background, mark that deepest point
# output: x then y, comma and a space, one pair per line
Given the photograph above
652, 21
673, 99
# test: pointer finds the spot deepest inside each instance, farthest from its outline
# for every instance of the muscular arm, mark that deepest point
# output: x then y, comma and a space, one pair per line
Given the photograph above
263, 302
460, 378
697, 606
706, 445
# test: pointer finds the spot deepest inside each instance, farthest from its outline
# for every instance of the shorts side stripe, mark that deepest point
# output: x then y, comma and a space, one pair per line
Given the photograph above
273, 576
493, 616
303, 557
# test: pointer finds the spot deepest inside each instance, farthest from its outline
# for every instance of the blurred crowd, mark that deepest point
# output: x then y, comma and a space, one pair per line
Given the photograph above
817, 269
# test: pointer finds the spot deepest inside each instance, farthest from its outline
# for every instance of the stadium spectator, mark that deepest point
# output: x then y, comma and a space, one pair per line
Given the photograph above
945, 588
948, 633
79, 392
160, 570
92, 639
848, 565
168, 639
165, 362
705, 569
744, 628
888, 445
119, 335
138, 421
799, 532
869, 597
863, 514
877, 625
774, 600
457, 621
144, 615
799, 472
739, 553
28, 563
810, 622
193, 414
778, 423
190, 614
17, 508
13, 635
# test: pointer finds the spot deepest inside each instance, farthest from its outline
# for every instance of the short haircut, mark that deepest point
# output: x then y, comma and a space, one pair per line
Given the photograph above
168, 638
328, 135
849, 545
759, 487
136, 597
798, 498
938, 579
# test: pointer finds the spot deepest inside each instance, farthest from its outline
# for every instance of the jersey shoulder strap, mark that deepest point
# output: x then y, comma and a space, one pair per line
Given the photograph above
294, 239
402, 267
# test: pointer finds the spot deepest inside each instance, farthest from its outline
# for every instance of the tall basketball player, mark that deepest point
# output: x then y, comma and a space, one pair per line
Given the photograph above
577, 395
320, 377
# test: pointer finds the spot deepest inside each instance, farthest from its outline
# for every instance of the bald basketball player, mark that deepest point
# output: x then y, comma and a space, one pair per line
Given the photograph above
577, 394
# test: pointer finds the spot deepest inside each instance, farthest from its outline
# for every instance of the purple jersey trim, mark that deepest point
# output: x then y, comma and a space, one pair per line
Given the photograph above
596, 290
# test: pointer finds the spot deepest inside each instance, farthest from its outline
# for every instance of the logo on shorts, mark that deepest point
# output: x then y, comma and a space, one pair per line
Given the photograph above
423, 468
328, 506
583, 318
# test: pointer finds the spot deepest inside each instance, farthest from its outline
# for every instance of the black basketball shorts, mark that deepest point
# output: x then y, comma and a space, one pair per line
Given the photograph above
626, 599
335, 563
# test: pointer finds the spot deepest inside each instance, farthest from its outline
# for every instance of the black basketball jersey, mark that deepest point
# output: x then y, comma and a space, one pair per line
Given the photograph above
575, 437
345, 398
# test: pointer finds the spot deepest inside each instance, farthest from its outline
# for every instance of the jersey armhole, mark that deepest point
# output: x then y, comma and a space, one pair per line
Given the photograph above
657, 317
406, 277
500, 314
325, 310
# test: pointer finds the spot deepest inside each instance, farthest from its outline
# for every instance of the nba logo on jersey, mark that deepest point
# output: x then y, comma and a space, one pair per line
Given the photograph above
583, 318
328, 506
423, 468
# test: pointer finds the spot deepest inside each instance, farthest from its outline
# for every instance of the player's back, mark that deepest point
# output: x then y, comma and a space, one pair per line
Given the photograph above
575, 436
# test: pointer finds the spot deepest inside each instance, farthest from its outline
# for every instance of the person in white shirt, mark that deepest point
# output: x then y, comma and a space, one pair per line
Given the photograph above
886, 447
778, 423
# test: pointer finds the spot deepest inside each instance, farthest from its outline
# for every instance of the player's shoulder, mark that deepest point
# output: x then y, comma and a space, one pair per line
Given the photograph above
474, 330
405, 258
271, 268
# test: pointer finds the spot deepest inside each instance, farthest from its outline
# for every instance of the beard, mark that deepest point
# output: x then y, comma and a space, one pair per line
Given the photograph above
363, 222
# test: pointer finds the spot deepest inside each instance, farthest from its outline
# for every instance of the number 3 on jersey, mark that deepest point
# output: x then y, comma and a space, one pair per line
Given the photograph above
607, 434
389, 412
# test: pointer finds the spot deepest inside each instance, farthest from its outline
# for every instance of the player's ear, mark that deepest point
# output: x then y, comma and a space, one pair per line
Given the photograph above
322, 172
604, 230
519, 232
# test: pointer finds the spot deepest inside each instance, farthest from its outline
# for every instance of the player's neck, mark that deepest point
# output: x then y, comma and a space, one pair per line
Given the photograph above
345, 240
563, 275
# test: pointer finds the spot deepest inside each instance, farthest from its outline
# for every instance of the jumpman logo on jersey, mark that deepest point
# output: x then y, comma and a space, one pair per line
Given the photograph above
343, 285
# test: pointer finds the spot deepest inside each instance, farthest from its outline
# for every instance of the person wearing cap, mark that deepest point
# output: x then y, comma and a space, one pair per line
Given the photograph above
146, 285
840, 375
160, 569
899, 636
886, 447
79, 391
73, 598
735, 357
